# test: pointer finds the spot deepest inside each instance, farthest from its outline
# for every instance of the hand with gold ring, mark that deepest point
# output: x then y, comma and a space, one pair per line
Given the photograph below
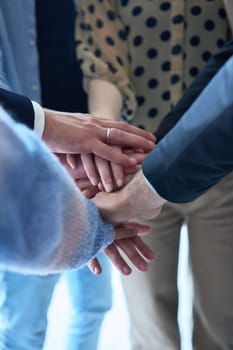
74, 133
98, 137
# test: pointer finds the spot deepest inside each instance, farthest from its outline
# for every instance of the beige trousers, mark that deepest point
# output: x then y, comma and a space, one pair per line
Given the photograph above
152, 297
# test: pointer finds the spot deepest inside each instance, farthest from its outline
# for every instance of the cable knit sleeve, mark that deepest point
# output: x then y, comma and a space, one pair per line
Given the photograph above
46, 224
103, 48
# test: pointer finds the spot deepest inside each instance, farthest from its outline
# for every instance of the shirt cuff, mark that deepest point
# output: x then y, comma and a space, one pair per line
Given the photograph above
39, 121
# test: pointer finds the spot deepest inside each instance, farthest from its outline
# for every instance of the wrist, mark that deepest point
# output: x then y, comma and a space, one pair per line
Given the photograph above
144, 201
103, 114
49, 127
100, 91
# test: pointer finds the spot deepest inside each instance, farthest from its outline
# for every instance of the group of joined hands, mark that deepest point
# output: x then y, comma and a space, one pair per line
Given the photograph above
104, 158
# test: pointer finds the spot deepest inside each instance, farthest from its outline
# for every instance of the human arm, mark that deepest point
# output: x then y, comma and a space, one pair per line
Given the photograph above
77, 133
198, 150
192, 157
105, 55
213, 65
110, 174
194, 90
46, 223
104, 99
106, 70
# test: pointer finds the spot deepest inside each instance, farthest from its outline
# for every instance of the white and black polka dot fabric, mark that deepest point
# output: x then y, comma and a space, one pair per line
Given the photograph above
150, 49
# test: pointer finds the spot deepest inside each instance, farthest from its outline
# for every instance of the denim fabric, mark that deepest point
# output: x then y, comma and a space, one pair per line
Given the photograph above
24, 301
90, 298
18, 52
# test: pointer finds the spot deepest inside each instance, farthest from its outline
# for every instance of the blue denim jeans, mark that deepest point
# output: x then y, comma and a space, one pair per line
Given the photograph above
90, 298
24, 301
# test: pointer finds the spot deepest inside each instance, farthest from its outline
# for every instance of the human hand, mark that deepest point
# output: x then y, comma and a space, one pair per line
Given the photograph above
135, 200
110, 175
128, 241
77, 172
90, 171
81, 171
82, 133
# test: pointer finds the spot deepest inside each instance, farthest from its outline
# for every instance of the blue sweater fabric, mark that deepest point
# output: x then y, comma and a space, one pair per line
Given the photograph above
46, 224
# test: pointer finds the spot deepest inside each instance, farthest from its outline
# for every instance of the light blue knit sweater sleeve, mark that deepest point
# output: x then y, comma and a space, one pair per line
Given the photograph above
46, 224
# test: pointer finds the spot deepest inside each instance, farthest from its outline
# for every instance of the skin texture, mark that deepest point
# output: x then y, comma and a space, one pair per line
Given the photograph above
77, 139
135, 200
82, 133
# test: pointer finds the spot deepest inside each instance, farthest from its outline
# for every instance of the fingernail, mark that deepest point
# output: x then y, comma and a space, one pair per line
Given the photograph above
133, 161
108, 187
119, 182
94, 181
151, 256
72, 165
126, 270
96, 270
143, 267
152, 144
100, 186
153, 136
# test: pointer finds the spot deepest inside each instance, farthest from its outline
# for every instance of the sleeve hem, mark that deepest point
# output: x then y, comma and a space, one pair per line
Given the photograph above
39, 122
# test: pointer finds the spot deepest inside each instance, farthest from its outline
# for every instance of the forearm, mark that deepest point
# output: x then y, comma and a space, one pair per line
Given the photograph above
46, 223
104, 99
197, 152
194, 90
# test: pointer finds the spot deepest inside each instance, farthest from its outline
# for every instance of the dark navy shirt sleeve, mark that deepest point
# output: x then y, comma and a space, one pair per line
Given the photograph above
19, 107
198, 151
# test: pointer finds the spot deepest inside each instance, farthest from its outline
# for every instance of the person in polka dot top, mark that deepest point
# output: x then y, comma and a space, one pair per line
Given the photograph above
137, 58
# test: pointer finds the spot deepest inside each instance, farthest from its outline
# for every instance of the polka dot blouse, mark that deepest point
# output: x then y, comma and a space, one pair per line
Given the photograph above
151, 50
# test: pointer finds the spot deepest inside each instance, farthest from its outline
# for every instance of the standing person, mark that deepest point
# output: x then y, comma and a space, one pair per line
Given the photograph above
141, 55
25, 68
61, 89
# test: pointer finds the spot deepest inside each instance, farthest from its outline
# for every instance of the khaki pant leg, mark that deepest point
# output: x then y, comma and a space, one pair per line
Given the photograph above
152, 296
211, 257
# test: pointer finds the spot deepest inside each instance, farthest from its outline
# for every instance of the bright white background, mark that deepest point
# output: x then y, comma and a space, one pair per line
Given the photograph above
115, 330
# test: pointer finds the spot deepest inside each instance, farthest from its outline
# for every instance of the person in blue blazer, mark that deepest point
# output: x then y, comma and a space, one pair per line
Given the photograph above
192, 157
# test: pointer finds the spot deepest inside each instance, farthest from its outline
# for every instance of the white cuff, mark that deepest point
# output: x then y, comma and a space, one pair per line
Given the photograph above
39, 121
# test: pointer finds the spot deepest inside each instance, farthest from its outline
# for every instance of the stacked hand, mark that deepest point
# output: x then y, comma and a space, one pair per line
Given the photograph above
73, 133
127, 234
135, 200
99, 154
127, 240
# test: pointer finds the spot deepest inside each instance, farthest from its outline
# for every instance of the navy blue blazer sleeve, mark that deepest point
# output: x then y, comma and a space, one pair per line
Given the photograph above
198, 151
18, 106
194, 90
